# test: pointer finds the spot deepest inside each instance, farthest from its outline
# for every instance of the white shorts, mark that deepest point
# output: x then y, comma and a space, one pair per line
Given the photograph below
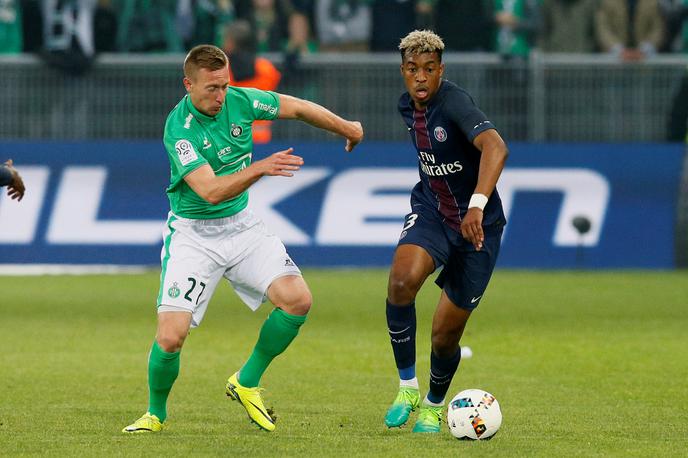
197, 253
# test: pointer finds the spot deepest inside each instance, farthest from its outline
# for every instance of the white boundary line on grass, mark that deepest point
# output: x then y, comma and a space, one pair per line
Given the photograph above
70, 269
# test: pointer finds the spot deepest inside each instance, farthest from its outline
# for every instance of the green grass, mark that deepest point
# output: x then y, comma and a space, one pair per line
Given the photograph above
583, 364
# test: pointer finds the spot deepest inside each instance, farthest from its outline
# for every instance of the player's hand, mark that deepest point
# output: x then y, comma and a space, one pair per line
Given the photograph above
15, 189
472, 227
282, 163
355, 137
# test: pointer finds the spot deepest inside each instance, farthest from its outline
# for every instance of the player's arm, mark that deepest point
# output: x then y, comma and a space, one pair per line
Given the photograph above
10, 177
319, 116
493, 157
215, 189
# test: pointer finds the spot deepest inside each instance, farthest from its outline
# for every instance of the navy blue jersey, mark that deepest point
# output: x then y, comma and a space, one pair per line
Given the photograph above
448, 162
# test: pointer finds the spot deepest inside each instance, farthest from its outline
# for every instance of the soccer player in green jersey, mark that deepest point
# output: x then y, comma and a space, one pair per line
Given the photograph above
210, 232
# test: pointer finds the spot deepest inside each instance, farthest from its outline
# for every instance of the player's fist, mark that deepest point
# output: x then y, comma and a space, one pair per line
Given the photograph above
355, 135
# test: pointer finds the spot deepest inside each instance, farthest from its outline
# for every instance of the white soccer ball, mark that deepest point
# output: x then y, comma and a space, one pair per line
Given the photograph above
474, 414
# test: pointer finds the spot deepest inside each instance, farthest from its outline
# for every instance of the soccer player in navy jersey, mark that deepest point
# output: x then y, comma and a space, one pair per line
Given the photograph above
456, 222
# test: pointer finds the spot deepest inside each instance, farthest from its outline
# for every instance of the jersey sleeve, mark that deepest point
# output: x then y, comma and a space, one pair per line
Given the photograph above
462, 110
184, 156
5, 176
264, 104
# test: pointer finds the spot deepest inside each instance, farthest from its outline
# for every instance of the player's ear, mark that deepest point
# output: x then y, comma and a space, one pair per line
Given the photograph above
441, 69
187, 83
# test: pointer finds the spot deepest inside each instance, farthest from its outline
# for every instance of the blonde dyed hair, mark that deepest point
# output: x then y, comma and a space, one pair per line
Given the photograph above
421, 41
204, 56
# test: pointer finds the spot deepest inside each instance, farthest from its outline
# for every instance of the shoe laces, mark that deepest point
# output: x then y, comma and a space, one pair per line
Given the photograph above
405, 395
430, 414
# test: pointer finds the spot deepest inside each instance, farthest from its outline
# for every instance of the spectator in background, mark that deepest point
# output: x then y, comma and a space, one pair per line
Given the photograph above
148, 26
518, 24
630, 29
568, 26
105, 27
674, 13
203, 21
68, 34
269, 19
10, 27
248, 70
465, 25
10, 177
344, 25
394, 19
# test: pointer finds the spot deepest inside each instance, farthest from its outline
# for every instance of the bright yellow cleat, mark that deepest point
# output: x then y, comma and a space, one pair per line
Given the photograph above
147, 424
252, 401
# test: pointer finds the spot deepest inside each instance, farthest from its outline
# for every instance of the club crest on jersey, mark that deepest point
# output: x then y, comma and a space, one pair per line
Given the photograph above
174, 291
236, 130
440, 134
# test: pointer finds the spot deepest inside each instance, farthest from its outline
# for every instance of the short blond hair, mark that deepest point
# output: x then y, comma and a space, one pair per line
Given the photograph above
204, 56
421, 41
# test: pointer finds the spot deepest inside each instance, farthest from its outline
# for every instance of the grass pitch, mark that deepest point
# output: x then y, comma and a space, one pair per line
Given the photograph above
583, 364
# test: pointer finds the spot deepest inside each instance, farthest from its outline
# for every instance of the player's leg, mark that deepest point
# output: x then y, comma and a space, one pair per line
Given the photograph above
163, 369
266, 272
463, 281
411, 265
292, 300
448, 325
188, 279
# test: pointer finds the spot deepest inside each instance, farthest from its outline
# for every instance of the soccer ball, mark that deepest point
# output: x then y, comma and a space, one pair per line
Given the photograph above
474, 414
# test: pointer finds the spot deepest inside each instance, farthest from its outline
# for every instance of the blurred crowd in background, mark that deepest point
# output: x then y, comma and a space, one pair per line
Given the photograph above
630, 29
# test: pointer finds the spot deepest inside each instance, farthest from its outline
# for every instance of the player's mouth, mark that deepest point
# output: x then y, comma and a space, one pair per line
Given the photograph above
421, 93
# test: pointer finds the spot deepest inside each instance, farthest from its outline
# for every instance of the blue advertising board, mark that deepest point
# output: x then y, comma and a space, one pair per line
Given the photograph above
105, 203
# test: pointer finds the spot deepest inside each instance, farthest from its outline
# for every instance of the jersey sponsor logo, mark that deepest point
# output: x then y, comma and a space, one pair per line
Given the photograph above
236, 130
224, 151
441, 169
185, 151
440, 134
258, 105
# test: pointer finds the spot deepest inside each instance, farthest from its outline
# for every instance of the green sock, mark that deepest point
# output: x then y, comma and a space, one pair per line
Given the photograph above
163, 369
275, 336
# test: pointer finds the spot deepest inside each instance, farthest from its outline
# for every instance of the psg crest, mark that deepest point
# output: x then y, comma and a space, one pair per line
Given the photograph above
440, 134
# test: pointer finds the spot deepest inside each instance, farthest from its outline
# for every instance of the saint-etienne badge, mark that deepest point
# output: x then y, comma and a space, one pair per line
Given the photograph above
236, 130
174, 291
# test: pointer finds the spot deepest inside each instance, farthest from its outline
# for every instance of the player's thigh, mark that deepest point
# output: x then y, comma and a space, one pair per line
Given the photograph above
265, 261
424, 228
189, 274
468, 273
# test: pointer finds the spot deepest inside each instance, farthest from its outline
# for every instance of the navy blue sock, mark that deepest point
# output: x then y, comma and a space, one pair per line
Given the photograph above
441, 373
401, 323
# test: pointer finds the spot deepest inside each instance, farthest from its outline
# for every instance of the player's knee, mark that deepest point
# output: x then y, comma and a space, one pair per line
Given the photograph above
403, 288
170, 342
298, 304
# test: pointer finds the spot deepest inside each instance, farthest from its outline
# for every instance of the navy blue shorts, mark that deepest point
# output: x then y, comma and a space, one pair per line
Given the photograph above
466, 271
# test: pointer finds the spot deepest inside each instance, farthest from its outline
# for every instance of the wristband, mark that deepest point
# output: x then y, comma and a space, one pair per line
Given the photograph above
478, 200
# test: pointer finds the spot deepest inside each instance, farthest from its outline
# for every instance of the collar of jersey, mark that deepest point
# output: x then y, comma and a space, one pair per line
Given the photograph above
197, 114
